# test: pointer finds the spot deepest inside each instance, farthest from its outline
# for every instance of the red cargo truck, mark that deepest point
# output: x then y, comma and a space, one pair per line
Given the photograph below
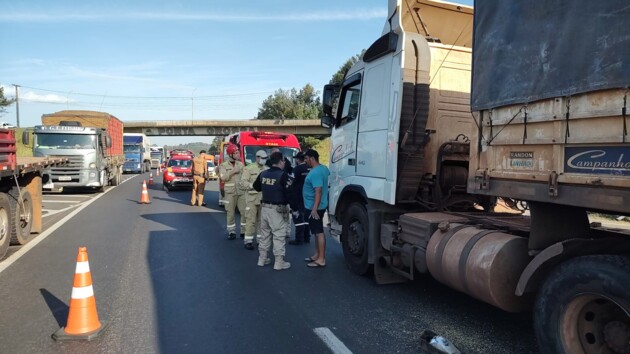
20, 193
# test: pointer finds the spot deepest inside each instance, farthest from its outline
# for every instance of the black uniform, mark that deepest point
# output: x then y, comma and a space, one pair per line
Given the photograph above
276, 187
302, 231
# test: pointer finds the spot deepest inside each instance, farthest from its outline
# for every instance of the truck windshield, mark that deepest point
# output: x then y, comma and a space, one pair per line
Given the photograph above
131, 148
179, 163
250, 152
65, 141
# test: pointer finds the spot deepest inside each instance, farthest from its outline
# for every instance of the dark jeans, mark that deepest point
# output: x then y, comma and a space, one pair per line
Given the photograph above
302, 232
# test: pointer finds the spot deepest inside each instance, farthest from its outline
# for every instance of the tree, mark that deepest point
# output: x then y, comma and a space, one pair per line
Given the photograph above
4, 102
294, 104
338, 77
291, 104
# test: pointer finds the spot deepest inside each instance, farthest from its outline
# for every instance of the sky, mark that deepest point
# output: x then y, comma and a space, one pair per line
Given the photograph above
174, 60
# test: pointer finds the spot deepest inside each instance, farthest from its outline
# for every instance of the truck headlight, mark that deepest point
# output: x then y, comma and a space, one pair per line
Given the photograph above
92, 165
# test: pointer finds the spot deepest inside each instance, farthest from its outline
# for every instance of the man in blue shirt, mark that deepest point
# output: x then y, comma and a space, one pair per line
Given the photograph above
315, 193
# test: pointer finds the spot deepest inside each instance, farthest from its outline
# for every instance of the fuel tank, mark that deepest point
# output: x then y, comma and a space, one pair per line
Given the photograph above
485, 264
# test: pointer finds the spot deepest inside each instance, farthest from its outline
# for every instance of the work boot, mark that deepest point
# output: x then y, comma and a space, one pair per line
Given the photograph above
263, 260
281, 264
249, 246
231, 235
242, 235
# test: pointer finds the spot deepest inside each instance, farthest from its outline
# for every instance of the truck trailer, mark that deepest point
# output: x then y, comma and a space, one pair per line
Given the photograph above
137, 150
418, 161
20, 192
92, 141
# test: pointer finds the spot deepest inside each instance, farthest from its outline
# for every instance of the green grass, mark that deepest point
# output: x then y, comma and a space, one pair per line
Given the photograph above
23, 150
323, 148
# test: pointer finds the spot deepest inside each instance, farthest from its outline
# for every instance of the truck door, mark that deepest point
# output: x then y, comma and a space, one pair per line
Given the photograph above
343, 158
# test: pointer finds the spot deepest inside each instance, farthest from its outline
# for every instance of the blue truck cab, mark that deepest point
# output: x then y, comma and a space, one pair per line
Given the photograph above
137, 149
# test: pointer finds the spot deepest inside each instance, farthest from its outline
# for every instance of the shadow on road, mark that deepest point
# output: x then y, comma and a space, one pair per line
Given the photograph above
58, 308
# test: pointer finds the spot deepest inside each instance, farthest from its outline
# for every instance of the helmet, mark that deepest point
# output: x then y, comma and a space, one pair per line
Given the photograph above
231, 149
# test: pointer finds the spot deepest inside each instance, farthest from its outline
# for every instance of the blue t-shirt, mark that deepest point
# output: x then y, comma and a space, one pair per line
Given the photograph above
318, 177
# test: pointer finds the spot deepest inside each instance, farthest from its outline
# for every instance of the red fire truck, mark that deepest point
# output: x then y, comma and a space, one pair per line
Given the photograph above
250, 142
178, 172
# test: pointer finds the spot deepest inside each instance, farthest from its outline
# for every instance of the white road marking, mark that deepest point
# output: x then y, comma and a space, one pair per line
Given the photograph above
53, 212
41, 237
332, 342
62, 201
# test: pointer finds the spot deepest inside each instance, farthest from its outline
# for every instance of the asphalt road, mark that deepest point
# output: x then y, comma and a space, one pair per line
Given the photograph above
168, 281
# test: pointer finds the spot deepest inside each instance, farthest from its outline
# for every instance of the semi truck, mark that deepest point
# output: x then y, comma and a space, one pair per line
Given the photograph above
20, 192
92, 141
157, 156
137, 150
440, 119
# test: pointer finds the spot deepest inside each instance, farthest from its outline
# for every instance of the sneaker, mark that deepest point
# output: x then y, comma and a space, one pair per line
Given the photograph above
203, 204
231, 236
249, 246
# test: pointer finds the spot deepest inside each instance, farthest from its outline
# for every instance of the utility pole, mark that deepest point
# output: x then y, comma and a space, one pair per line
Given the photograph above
17, 106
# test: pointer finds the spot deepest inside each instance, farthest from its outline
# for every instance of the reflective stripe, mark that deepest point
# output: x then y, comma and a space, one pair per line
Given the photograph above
232, 225
229, 184
249, 237
82, 267
226, 202
300, 224
247, 208
82, 292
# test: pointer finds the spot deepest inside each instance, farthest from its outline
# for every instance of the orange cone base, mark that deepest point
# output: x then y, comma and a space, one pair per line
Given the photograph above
61, 334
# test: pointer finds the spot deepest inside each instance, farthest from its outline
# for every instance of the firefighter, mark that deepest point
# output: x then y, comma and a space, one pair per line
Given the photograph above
200, 176
252, 208
230, 172
277, 192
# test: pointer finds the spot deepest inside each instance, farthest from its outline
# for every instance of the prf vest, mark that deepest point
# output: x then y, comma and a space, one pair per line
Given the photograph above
272, 188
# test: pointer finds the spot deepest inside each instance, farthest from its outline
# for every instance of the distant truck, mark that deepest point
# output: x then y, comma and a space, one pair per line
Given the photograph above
92, 141
415, 175
158, 156
20, 192
137, 150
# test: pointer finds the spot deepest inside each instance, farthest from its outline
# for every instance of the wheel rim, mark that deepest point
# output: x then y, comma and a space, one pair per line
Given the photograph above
356, 238
595, 324
4, 225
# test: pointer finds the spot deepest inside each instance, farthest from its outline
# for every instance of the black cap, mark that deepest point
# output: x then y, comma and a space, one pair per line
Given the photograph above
299, 155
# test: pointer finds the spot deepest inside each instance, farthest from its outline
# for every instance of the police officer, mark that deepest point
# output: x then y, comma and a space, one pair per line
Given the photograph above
230, 172
200, 175
277, 192
252, 199
302, 231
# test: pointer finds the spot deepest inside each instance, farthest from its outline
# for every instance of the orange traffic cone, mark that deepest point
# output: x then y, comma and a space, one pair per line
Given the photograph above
144, 197
83, 320
151, 178
157, 172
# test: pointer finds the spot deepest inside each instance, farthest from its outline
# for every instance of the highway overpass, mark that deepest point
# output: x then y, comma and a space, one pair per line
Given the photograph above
224, 127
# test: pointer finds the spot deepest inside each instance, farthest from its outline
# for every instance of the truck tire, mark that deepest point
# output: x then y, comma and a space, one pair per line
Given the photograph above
21, 216
116, 179
5, 224
354, 239
104, 181
584, 307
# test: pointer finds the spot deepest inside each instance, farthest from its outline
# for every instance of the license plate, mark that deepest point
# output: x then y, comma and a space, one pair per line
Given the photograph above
65, 178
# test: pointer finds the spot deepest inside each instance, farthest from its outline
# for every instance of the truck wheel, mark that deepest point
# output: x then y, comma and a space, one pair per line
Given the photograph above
116, 179
354, 239
583, 307
5, 224
21, 216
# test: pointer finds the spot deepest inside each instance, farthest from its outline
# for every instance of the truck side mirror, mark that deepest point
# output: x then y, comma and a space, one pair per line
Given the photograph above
25, 137
328, 120
108, 141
